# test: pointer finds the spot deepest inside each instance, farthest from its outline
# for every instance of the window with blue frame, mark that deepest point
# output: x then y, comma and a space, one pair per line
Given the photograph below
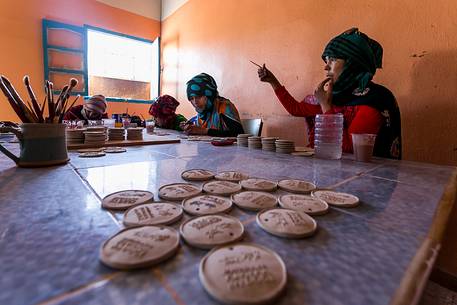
119, 66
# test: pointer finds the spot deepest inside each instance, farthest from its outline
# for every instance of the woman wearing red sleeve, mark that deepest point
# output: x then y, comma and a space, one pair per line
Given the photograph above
351, 60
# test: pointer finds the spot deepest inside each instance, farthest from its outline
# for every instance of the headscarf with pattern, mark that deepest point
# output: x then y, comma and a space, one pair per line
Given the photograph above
210, 117
164, 107
362, 56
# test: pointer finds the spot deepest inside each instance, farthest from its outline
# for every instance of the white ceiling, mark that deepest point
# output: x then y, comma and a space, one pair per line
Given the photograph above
147, 8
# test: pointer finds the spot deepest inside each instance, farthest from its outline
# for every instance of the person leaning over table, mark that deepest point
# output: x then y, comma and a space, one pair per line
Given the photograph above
216, 115
93, 108
163, 109
351, 60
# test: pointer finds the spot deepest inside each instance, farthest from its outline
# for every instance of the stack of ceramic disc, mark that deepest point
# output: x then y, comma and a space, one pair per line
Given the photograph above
285, 146
94, 138
135, 133
269, 144
116, 134
75, 136
255, 142
96, 128
242, 139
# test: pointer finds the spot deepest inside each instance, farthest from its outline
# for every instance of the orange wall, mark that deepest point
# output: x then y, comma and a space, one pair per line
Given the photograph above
420, 66
21, 51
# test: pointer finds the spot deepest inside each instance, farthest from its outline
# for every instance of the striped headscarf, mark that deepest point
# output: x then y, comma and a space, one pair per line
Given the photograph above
204, 85
96, 103
362, 56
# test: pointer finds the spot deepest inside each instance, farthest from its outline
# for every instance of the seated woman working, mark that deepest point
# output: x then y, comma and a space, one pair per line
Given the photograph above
163, 109
216, 115
93, 108
351, 60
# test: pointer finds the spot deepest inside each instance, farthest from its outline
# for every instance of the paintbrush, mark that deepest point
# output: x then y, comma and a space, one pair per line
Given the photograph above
13, 103
32, 95
25, 110
256, 64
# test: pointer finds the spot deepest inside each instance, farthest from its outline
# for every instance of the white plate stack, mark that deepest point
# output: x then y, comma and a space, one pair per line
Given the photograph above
116, 134
255, 142
75, 136
242, 139
135, 133
94, 138
285, 146
269, 143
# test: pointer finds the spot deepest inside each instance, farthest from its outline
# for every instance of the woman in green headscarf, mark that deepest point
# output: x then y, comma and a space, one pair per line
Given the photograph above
351, 60
216, 115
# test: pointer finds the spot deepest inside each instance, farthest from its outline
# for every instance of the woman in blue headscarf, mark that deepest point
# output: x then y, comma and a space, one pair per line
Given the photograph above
216, 115
351, 60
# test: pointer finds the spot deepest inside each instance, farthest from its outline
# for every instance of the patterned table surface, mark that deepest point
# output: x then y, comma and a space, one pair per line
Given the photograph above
52, 226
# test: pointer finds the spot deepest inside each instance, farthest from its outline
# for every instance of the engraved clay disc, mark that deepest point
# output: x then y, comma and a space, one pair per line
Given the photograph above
92, 154
286, 223
208, 231
223, 188
254, 201
206, 205
197, 175
297, 186
258, 184
232, 176
243, 273
139, 247
115, 150
304, 203
157, 213
338, 199
125, 199
178, 191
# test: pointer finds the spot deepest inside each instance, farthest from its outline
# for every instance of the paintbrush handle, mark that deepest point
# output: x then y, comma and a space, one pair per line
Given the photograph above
18, 99
13, 103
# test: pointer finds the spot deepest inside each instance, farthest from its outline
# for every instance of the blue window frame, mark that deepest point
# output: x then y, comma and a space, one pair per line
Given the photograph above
82, 50
78, 51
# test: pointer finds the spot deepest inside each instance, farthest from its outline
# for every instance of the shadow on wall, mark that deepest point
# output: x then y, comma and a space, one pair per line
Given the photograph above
429, 112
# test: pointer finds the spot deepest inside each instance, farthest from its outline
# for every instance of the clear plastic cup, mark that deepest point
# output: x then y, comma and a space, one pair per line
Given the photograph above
363, 145
150, 124
109, 122
328, 136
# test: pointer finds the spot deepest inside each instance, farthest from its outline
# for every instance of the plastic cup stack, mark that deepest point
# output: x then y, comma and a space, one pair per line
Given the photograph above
328, 136
254, 142
242, 139
285, 146
269, 144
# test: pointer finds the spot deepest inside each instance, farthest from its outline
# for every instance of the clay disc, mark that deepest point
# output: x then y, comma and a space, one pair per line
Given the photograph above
178, 191
223, 188
206, 205
254, 201
337, 199
232, 176
139, 247
243, 273
286, 223
84, 150
115, 150
258, 184
304, 203
297, 186
125, 199
157, 213
92, 154
197, 175
208, 231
